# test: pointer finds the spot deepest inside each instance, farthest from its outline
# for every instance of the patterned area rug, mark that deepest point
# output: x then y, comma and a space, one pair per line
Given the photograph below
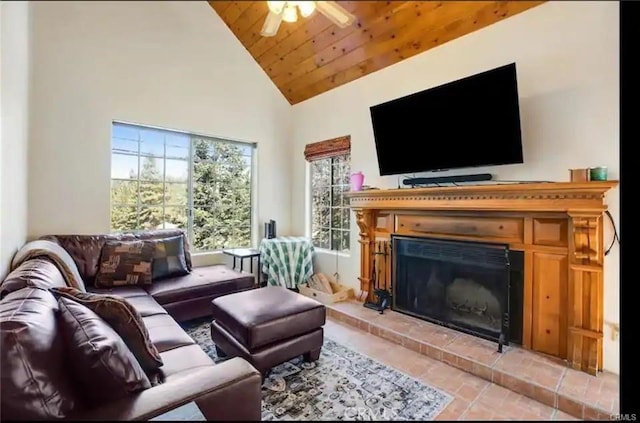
341, 385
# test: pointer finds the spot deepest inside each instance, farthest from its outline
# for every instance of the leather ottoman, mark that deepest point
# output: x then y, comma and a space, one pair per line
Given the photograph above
268, 326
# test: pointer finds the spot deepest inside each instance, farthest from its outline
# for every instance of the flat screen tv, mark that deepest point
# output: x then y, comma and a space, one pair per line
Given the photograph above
470, 122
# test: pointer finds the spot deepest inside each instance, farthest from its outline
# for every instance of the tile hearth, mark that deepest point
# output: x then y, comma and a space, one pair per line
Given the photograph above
545, 379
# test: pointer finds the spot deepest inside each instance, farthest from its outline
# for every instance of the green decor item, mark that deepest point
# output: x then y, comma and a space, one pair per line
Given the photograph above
287, 260
598, 173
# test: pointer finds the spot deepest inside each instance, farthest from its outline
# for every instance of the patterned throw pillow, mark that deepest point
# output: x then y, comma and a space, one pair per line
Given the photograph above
169, 258
125, 320
125, 263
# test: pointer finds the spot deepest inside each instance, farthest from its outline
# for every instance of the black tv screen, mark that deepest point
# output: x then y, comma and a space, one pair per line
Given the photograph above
470, 122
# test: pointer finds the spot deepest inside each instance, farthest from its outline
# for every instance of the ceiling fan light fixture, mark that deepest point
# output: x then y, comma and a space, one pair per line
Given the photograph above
306, 8
276, 6
290, 13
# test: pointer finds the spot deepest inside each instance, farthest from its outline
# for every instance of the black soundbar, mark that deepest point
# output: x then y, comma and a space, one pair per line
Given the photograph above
448, 179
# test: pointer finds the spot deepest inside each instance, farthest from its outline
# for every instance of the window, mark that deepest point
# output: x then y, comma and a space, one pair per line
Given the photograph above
329, 208
168, 179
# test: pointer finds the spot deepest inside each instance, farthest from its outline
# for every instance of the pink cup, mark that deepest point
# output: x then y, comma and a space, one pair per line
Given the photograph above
357, 178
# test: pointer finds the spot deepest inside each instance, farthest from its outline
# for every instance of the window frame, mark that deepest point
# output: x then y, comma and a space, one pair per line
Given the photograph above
189, 182
344, 230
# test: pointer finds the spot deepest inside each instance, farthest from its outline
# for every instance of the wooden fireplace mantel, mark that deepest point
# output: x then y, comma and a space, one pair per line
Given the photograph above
558, 226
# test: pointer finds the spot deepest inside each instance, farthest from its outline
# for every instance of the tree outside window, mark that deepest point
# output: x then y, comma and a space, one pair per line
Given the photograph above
330, 223
168, 179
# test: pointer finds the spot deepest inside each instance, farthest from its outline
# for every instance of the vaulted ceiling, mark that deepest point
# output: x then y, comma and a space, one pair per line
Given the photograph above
311, 56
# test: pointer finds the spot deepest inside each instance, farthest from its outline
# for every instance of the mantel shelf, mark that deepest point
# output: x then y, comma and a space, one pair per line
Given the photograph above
535, 196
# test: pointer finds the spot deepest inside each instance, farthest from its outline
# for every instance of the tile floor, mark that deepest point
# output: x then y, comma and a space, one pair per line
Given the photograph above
474, 398
545, 379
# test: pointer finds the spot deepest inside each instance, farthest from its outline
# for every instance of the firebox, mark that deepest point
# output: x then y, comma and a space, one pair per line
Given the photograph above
473, 287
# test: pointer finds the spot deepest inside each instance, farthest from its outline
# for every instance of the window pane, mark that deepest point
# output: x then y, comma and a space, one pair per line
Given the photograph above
152, 136
336, 240
320, 173
177, 152
202, 149
125, 132
320, 197
176, 194
336, 217
346, 170
346, 219
177, 170
152, 148
124, 218
124, 166
151, 169
177, 140
336, 196
322, 216
124, 192
151, 193
150, 218
119, 145
222, 181
345, 241
205, 194
241, 237
336, 174
321, 238
175, 217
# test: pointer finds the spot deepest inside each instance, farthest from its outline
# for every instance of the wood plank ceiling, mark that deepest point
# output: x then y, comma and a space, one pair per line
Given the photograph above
312, 56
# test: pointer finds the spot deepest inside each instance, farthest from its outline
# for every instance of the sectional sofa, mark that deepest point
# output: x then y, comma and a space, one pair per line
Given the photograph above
34, 376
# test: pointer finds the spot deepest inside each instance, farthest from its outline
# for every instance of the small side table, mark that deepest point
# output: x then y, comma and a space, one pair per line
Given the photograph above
244, 253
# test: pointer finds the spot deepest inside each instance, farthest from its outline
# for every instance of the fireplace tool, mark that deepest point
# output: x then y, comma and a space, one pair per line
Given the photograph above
377, 284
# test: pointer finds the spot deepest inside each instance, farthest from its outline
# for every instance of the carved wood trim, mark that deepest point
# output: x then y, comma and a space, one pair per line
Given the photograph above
328, 148
550, 196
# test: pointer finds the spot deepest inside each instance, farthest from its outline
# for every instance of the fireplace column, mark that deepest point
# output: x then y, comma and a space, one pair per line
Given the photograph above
364, 220
585, 296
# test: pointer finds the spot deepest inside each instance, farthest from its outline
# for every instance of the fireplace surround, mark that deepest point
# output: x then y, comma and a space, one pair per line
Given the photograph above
556, 226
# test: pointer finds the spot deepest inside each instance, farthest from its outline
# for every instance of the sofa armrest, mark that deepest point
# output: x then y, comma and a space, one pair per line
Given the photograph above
227, 391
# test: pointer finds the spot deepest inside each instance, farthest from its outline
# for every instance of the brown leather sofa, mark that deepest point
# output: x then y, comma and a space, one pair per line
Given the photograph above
36, 383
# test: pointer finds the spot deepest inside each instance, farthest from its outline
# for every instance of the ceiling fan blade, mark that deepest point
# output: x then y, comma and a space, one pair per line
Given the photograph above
335, 13
271, 24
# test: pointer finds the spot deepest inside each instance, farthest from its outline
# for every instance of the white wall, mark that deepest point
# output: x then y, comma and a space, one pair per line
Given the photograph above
567, 57
14, 71
168, 64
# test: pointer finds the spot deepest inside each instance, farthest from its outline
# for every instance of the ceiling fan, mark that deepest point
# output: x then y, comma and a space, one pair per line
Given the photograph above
288, 11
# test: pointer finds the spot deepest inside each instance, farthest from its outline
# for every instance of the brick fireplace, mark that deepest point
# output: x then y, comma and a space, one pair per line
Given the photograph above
553, 231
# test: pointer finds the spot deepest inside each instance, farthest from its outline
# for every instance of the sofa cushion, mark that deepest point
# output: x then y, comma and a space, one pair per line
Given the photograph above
125, 321
168, 258
146, 305
125, 263
262, 316
121, 291
207, 281
34, 376
104, 366
165, 333
178, 360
